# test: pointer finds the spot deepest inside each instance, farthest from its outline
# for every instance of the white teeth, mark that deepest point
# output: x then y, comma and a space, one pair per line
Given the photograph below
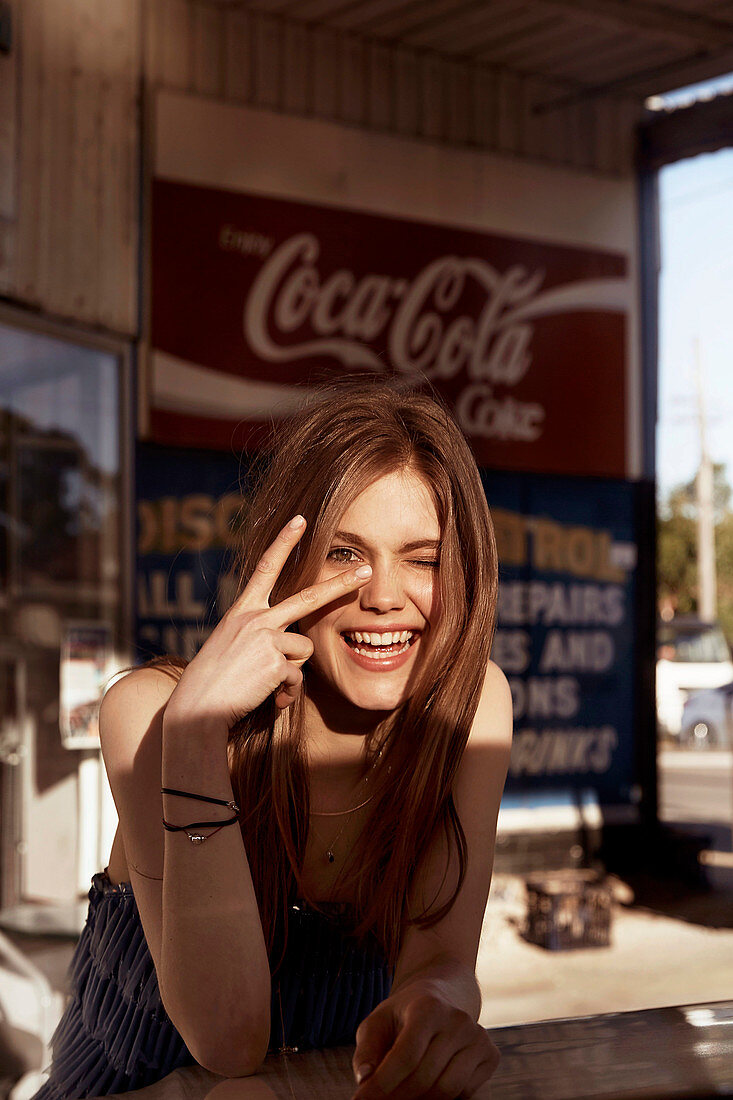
389, 638
379, 655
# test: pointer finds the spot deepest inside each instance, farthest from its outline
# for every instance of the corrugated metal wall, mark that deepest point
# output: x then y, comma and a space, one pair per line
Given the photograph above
68, 238
72, 242
251, 57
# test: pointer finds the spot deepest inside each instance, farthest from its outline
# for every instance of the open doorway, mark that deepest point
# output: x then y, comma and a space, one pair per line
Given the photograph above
694, 498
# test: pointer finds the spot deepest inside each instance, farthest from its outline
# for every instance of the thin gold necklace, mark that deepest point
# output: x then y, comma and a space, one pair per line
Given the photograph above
352, 809
329, 853
340, 813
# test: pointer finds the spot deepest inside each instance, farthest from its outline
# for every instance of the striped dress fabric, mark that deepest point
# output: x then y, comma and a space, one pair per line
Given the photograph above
115, 1036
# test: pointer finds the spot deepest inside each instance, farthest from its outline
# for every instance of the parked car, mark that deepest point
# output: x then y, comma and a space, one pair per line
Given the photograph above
707, 719
692, 656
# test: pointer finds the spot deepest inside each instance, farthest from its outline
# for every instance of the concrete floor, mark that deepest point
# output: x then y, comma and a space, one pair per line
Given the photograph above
676, 948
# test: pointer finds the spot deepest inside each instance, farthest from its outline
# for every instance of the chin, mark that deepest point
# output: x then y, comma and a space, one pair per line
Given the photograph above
379, 696
377, 701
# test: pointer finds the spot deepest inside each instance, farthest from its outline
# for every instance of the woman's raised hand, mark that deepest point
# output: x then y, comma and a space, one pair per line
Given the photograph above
250, 654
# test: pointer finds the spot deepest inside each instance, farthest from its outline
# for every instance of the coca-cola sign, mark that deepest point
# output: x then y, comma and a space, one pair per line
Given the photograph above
525, 340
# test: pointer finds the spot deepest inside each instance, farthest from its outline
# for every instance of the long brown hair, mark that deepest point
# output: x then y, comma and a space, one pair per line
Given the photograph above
331, 450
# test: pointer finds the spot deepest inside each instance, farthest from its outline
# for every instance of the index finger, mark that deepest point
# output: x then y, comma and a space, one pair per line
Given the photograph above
400, 1062
315, 596
257, 590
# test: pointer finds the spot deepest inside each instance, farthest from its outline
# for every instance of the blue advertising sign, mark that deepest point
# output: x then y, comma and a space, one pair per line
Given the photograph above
566, 626
565, 636
187, 504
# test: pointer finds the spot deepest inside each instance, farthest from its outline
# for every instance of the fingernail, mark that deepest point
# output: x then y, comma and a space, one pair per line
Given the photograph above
363, 1072
364, 571
296, 522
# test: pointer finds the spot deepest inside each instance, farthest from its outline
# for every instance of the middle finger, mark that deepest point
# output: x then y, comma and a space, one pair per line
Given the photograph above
314, 597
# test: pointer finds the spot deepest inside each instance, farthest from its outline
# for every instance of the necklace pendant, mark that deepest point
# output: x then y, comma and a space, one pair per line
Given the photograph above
288, 1050
330, 856
196, 838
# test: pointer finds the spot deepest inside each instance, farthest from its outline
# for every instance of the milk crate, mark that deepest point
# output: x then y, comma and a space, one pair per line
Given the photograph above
569, 909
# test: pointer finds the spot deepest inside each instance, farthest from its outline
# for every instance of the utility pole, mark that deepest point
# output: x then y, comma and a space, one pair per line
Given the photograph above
706, 576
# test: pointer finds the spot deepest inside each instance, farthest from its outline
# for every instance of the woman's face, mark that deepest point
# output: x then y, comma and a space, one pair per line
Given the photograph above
368, 645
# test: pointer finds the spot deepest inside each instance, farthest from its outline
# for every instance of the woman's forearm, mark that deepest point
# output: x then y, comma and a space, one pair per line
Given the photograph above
215, 977
445, 976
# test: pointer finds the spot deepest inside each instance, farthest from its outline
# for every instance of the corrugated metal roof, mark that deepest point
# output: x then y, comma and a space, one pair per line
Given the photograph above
627, 48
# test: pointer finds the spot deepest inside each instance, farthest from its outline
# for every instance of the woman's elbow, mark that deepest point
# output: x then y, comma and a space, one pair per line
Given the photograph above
231, 1044
231, 1057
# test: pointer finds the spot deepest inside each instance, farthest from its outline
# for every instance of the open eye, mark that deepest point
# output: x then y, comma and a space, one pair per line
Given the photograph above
342, 555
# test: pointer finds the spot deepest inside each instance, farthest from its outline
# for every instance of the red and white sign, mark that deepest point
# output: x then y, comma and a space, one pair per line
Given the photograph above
254, 298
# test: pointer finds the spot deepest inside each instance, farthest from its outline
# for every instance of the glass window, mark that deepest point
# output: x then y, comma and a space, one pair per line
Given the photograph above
62, 596
60, 452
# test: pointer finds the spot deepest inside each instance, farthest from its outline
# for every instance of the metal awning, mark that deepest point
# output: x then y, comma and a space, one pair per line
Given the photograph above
583, 48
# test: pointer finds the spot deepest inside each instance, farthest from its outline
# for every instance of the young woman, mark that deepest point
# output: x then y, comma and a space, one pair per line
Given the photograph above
328, 771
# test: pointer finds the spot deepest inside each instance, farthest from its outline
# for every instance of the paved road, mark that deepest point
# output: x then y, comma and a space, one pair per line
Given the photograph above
696, 786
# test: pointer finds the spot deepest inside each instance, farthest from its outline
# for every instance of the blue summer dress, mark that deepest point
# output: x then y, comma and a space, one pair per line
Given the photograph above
115, 1036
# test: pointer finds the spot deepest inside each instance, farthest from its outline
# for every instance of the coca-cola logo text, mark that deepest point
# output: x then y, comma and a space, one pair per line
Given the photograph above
418, 323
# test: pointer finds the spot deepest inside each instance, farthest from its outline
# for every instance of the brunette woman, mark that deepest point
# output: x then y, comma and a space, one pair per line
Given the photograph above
308, 808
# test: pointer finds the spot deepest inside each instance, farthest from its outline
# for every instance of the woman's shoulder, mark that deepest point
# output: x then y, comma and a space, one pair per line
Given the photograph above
143, 686
134, 703
495, 682
494, 712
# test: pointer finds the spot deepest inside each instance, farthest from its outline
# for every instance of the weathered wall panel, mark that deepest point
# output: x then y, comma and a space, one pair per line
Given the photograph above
266, 42
119, 157
323, 67
352, 80
295, 68
406, 107
270, 61
9, 140
69, 218
209, 50
23, 279
237, 55
8, 129
74, 234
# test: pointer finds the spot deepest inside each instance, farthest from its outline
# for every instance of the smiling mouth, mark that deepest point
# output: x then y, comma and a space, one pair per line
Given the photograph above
380, 647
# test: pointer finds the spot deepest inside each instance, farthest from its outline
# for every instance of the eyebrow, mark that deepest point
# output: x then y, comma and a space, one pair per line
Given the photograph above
417, 544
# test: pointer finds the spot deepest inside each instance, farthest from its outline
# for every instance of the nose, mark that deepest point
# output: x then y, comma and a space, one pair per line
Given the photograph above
384, 591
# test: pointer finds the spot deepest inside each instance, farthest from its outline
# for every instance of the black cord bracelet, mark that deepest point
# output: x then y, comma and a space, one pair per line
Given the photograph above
197, 825
202, 798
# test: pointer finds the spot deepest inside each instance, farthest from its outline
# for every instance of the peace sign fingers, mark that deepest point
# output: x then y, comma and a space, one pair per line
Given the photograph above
256, 595
250, 654
316, 596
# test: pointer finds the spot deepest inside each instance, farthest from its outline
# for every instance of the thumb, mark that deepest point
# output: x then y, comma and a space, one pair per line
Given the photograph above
374, 1038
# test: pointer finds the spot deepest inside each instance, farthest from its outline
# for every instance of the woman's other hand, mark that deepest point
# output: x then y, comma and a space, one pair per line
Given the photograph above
251, 654
417, 1044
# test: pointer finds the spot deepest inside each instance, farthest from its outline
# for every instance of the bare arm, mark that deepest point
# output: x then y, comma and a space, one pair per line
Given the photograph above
200, 917
197, 902
424, 1036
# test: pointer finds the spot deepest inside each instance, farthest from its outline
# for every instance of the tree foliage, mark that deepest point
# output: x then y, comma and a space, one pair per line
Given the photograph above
677, 549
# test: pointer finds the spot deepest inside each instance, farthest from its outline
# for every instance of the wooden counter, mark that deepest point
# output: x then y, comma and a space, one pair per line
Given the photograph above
659, 1054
